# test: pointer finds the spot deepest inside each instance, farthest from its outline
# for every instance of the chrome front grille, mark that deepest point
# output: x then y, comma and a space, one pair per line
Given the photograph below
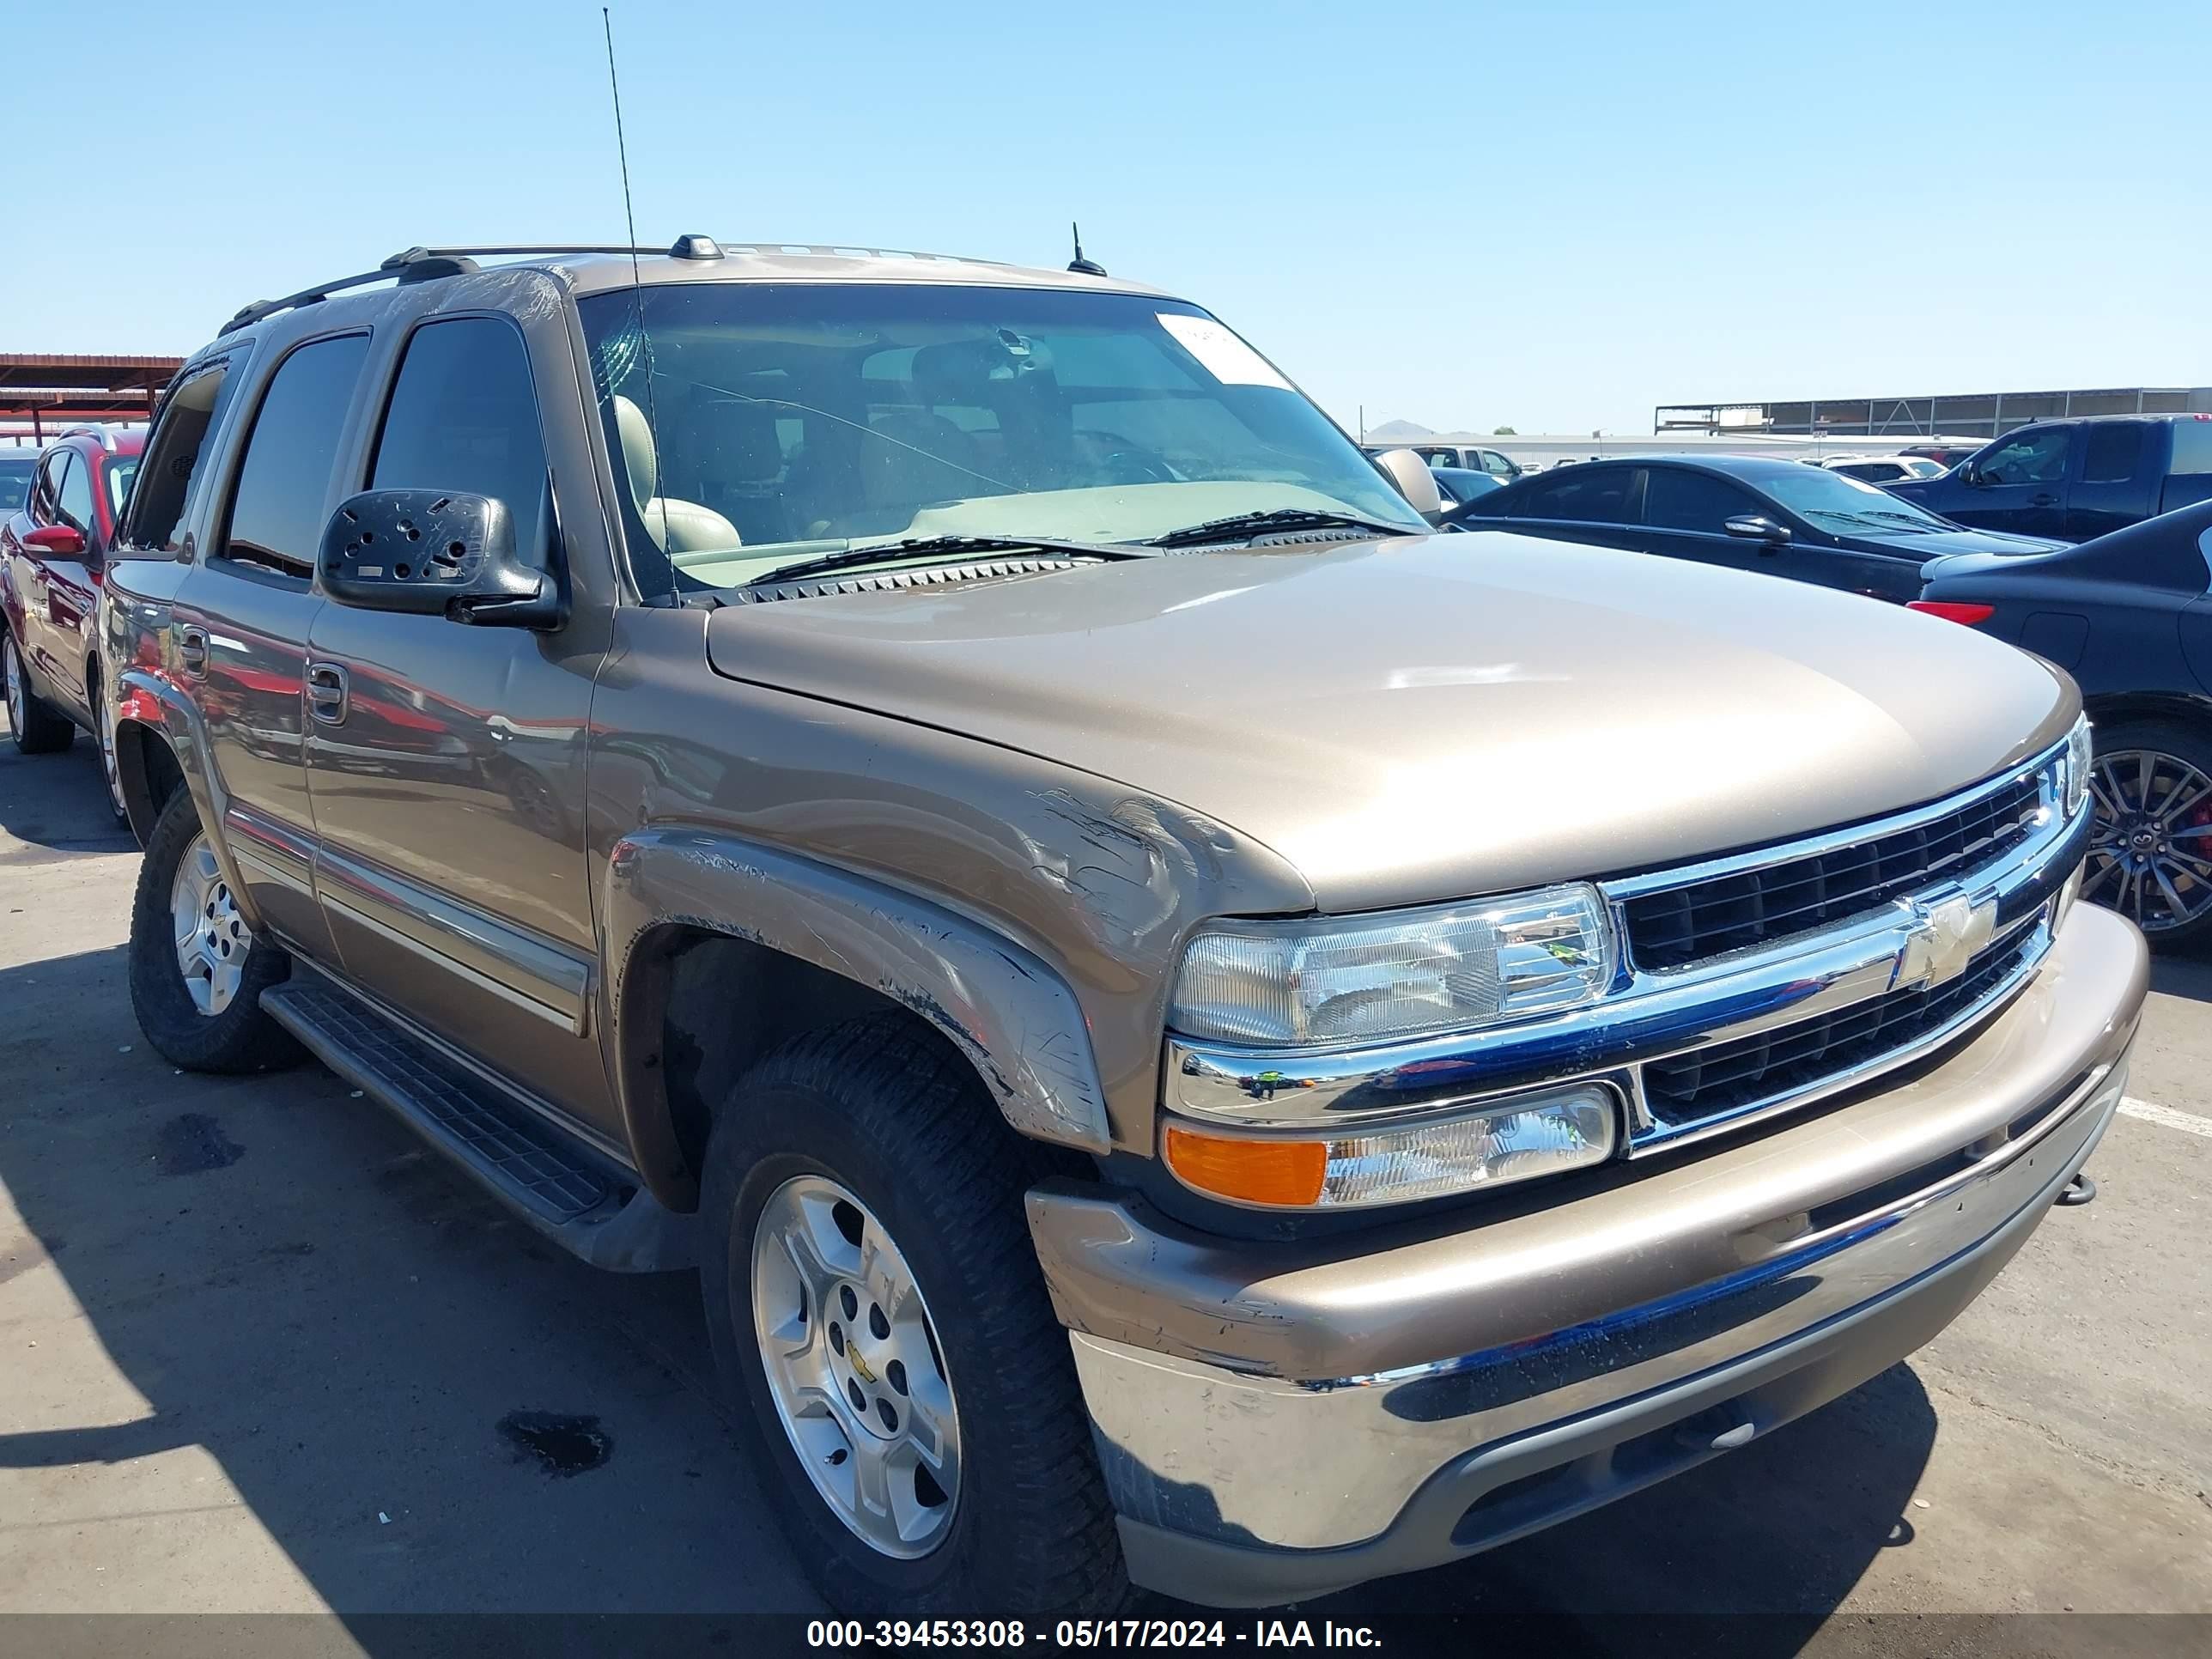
1841, 879
1729, 1075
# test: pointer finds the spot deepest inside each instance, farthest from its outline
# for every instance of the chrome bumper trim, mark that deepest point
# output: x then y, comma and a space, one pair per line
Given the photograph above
1656, 1016
1196, 1447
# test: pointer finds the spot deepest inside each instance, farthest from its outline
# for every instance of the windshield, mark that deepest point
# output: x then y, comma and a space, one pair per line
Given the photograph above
120, 471
15, 479
760, 424
1830, 500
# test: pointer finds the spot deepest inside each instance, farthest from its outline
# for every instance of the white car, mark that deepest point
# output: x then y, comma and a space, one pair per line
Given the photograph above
1885, 469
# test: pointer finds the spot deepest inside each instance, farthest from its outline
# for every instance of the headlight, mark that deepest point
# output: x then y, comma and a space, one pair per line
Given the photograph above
2078, 761
1515, 1140
1364, 978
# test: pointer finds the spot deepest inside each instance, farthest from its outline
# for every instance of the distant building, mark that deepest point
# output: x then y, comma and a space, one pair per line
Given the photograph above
1968, 414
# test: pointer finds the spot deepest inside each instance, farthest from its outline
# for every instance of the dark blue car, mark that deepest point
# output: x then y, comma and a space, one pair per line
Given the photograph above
1779, 518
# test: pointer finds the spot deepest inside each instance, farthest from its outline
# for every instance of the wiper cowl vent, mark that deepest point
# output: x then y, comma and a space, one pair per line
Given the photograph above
879, 581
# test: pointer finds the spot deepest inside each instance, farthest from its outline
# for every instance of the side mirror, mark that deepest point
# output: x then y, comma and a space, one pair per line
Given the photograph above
1758, 527
59, 541
433, 552
1410, 476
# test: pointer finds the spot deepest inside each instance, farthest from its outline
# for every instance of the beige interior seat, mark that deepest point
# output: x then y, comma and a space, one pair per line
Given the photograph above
676, 526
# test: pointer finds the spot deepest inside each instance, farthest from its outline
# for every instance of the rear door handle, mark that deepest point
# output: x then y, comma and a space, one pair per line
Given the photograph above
193, 649
2044, 500
326, 692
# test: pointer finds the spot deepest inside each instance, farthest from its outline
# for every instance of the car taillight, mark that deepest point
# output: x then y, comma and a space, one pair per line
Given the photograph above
1955, 611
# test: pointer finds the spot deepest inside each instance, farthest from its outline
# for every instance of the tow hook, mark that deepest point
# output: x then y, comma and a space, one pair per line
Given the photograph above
2077, 1192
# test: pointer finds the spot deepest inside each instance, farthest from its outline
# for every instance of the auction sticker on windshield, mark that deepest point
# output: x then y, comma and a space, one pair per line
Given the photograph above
1225, 356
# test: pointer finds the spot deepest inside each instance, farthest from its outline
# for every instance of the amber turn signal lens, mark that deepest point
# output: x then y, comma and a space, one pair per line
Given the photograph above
1250, 1171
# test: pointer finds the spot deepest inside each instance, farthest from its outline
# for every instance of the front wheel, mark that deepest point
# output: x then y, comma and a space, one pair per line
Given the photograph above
2151, 858
197, 971
904, 1390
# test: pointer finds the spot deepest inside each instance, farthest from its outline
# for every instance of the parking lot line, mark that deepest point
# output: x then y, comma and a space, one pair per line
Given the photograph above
2187, 1122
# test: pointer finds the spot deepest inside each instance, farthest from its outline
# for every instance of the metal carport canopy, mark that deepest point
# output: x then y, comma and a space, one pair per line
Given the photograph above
44, 392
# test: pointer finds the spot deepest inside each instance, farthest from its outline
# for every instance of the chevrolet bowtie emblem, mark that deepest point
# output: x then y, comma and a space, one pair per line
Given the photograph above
860, 1365
1945, 937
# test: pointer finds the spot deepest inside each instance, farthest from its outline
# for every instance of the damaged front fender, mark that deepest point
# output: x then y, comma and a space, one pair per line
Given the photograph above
1002, 1007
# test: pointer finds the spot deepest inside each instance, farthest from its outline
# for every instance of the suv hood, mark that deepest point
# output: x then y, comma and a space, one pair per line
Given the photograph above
1437, 717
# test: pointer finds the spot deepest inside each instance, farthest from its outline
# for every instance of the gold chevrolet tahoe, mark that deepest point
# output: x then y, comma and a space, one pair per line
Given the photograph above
1197, 1033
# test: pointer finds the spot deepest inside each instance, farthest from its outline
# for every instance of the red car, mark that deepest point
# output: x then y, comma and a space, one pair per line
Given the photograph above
52, 554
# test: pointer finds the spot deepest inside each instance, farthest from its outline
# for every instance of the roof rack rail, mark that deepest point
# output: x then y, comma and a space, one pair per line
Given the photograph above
422, 265
103, 430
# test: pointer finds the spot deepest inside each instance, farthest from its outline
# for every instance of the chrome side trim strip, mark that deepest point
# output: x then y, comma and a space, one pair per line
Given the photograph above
283, 853
519, 967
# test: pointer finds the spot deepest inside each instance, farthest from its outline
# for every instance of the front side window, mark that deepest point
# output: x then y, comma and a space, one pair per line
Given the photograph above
464, 416
46, 490
1678, 500
172, 455
752, 425
278, 510
2037, 455
76, 495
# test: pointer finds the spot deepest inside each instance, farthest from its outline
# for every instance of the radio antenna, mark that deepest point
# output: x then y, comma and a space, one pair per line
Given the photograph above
636, 288
1086, 267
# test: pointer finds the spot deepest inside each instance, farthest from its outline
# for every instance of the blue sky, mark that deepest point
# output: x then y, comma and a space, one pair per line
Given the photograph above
1554, 216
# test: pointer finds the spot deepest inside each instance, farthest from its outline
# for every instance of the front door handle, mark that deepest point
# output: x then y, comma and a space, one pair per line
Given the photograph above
2044, 500
326, 692
192, 650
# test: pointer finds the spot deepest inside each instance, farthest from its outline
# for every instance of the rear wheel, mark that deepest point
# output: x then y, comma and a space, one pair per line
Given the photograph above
904, 1390
197, 971
2151, 859
37, 729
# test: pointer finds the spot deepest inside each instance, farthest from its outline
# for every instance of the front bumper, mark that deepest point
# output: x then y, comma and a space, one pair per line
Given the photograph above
1277, 1421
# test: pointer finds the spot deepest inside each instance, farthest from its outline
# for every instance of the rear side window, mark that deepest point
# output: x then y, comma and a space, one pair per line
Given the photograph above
1586, 495
2113, 449
2192, 446
464, 417
1694, 501
278, 511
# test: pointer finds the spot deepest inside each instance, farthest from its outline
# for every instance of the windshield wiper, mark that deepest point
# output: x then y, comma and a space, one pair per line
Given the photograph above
1243, 527
922, 546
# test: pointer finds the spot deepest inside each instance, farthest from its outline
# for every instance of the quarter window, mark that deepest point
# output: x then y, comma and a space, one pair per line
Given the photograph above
278, 511
2112, 450
2192, 446
464, 417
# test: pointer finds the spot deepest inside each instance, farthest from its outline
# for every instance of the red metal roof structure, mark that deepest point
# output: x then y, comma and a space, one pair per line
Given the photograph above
41, 392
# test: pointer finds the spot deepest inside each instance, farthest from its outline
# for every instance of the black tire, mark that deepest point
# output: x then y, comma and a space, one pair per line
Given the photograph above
903, 1123
241, 1038
104, 735
2182, 743
37, 728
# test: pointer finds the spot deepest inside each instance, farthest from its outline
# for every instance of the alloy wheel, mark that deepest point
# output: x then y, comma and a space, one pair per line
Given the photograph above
853, 1364
212, 938
2151, 853
15, 673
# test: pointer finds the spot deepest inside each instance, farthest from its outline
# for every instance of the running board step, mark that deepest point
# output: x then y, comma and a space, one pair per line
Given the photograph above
550, 1179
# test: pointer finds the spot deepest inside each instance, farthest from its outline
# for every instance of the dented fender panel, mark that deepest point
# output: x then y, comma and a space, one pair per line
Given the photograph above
1010, 1014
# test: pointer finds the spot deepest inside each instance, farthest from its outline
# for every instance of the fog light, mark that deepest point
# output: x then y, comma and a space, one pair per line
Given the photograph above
1516, 1139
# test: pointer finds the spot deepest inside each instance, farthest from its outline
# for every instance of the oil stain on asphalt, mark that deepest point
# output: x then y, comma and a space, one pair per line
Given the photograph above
194, 1143
561, 1445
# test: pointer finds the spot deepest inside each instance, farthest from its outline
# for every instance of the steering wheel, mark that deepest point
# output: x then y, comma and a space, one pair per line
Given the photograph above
1136, 466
